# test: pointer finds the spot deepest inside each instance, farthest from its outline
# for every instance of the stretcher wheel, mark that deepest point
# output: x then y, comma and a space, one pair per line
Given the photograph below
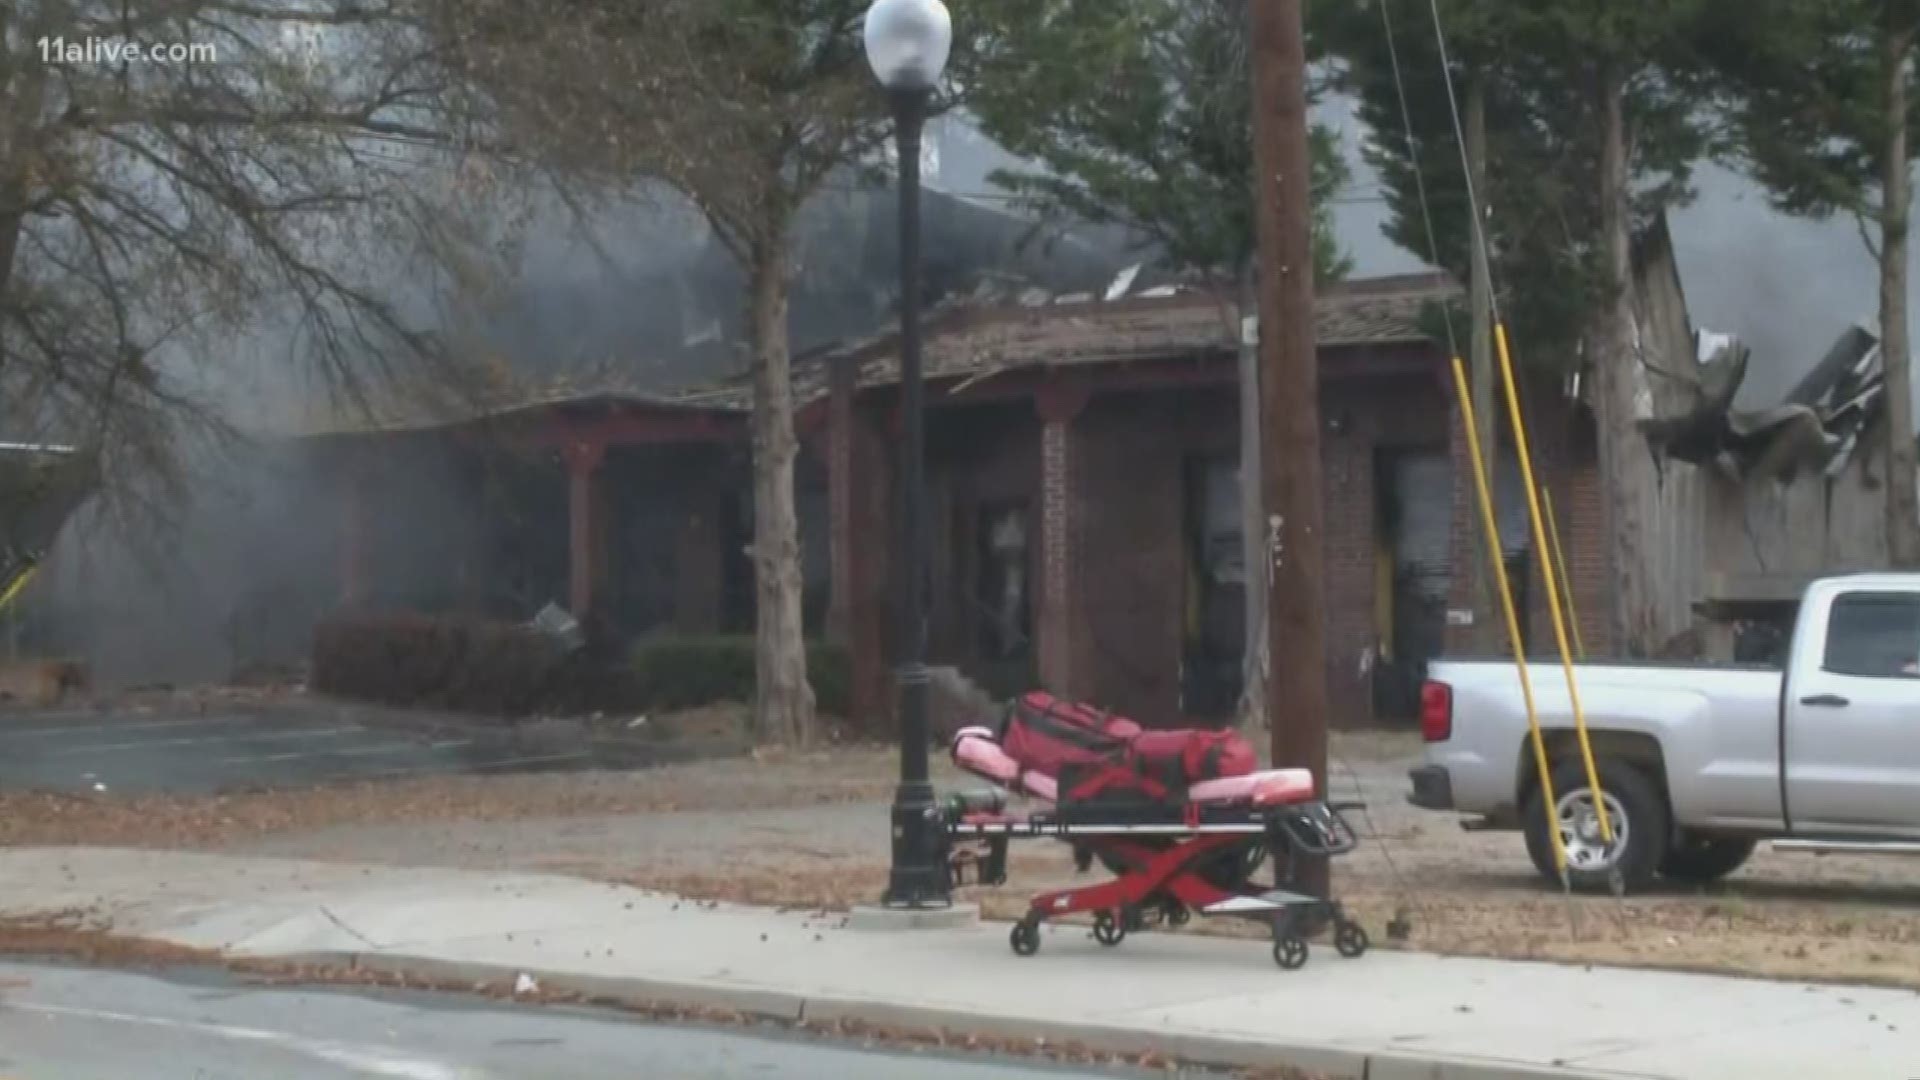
1107, 930
1351, 940
1025, 938
1290, 953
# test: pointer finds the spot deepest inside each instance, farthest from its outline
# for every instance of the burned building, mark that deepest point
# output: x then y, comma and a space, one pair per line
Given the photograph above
1083, 472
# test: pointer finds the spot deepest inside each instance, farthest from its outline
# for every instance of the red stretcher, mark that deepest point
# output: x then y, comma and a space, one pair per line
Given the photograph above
1173, 849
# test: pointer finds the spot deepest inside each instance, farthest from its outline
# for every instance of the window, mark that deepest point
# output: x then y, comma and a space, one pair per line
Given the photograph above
1874, 635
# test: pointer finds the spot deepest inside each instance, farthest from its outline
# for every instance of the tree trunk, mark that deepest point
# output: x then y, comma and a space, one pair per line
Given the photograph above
1481, 578
1903, 515
1253, 527
1626, 464
783, 701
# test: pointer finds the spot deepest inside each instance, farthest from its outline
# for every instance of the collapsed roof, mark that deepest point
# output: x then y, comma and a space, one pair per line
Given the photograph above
1814, 430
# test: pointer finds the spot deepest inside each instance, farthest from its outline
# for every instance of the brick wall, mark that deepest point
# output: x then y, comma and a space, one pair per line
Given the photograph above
1562, 440
1111, 484
1130, 605
1561, 437
1128, 613
1346, 457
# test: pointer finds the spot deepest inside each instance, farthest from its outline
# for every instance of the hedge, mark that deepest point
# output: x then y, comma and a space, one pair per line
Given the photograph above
687, 672
470, 665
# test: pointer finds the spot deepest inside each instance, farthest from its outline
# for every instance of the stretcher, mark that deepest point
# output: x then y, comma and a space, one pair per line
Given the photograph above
1172, 855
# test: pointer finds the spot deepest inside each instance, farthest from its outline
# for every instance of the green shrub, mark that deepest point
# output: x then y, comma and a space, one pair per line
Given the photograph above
688, 672
410, 660
830, 670
418, 661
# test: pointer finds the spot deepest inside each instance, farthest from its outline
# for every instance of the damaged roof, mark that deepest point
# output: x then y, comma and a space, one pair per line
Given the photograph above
1815, 429
992, 330
982, 337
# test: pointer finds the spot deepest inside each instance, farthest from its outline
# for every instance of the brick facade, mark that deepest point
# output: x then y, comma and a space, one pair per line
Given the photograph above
1348, 441
1561, 437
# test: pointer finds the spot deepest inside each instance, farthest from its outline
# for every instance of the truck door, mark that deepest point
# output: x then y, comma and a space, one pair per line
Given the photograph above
1852, 737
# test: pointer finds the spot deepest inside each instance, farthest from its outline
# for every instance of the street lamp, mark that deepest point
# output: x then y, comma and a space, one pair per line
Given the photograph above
907, 44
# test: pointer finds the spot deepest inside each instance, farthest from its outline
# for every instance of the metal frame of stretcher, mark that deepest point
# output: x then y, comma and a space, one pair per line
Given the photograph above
1170, 861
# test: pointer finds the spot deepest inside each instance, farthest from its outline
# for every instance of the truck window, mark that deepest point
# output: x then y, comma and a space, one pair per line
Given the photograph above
1874, 635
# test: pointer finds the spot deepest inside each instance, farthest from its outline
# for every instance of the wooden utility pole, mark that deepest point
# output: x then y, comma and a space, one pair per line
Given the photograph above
1486, 610
1289, 402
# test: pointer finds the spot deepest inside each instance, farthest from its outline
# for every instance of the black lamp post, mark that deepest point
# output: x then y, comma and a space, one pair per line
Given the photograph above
908, 42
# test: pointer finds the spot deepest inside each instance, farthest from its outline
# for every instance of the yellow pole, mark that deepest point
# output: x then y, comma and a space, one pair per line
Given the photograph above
1492, 530
1553, 589
1566, 580
19, 583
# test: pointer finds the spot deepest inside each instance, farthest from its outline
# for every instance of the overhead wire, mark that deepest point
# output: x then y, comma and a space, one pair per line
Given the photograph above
1524, 452
1480, 479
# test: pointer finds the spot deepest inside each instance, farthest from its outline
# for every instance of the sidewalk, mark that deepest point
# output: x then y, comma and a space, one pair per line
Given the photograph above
1388, 1016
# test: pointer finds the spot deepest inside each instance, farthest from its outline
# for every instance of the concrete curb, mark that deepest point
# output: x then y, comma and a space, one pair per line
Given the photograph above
787, 1007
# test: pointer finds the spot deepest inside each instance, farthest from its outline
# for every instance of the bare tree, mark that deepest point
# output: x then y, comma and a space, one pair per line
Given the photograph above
746, 108
186, 184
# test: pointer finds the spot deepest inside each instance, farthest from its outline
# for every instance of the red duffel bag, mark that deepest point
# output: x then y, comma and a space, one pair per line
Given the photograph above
1046, 733
1043, 732
1182, 758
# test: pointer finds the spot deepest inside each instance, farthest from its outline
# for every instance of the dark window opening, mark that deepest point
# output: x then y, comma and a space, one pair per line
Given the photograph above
1216, 588
1002, 550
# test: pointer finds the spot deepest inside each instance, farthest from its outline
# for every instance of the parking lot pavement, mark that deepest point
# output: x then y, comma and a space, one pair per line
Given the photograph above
234, 747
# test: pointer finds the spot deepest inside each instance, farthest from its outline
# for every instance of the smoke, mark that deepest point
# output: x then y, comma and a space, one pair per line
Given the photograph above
1786, 286
191, 582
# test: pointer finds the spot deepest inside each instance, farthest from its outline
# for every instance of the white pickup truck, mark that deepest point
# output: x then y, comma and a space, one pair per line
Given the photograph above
1698, 762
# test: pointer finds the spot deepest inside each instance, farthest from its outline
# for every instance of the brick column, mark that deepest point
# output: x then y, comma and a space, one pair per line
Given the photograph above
1468, 554
865, 559
1350, 567
585, 518
1058, 406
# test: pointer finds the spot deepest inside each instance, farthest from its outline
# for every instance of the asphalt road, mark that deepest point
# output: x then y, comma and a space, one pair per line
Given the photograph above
59, 1023
228, 747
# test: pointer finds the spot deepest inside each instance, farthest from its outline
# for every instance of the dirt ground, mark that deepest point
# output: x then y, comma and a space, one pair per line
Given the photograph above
810, 831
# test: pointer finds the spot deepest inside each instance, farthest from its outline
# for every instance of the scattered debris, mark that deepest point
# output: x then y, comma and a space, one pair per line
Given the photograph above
526, 984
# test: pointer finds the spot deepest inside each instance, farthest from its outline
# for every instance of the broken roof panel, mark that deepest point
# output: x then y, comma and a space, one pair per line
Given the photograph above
976, 340
1814, 430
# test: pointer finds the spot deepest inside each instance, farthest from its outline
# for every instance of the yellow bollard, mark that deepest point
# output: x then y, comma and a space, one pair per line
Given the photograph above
1553, 589
1492, 529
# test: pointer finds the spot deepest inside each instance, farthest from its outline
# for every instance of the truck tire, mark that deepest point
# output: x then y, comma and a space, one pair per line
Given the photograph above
1640, 819
1698, 860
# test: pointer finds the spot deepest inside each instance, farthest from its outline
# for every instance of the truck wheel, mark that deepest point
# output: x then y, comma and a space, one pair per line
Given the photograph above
1635, 809
1697, 860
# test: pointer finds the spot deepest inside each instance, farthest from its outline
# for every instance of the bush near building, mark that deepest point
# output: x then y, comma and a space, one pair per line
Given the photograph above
410, 660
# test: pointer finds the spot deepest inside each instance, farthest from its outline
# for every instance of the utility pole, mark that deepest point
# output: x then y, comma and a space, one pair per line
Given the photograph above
1486, 618
1289, 403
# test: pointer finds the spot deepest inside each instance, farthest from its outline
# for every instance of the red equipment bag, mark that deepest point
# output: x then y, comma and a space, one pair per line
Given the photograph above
1049, 735
1182, 758
1043, 733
